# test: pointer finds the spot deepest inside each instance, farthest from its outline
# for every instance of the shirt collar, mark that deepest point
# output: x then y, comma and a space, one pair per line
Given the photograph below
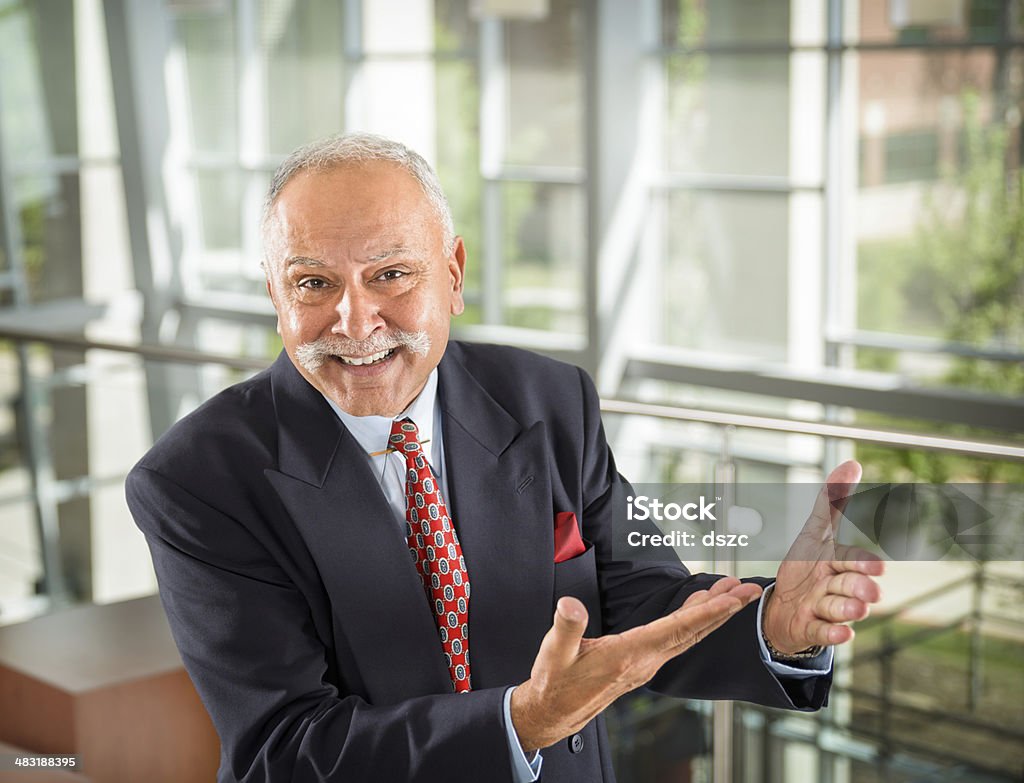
372, 432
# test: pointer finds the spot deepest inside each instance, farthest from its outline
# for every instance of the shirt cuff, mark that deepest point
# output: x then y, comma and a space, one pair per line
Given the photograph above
523, 770
800, 669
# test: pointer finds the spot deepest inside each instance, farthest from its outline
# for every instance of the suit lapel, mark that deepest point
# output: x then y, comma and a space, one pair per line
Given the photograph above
335, 502
500, 496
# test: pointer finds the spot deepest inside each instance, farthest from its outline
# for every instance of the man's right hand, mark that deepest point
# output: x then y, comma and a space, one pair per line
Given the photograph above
573, 679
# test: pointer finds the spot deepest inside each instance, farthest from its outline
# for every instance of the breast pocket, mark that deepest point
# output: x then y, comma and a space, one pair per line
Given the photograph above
578, 577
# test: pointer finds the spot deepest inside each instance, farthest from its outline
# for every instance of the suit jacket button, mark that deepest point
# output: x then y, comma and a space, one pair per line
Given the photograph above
575, 743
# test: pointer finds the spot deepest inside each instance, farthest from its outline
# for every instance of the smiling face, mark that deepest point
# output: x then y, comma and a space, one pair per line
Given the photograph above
363, 289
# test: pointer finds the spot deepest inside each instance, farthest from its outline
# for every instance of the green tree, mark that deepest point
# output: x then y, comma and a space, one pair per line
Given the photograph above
967, 262
978, 260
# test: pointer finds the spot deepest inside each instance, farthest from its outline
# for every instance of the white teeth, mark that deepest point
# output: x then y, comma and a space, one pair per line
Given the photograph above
359, 360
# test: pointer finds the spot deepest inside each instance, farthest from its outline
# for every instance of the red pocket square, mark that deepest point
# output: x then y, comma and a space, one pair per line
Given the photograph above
568, 543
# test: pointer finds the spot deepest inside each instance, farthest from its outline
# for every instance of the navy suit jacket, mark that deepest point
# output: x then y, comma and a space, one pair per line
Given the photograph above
292, 597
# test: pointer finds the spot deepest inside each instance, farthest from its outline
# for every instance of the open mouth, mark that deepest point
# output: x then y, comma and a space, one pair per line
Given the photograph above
373, 358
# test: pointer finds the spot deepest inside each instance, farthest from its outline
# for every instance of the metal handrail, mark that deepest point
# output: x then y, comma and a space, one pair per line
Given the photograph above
928, 345
887, 437
162, 353
883, 436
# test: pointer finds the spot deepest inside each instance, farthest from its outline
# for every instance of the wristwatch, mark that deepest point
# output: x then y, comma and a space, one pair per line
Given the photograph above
810, 652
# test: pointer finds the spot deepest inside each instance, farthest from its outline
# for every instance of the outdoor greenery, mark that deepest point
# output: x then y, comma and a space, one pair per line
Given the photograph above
959, 278
934, 674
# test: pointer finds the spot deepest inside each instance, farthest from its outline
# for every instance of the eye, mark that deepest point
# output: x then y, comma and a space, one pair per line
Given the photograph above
313, 283
391, 274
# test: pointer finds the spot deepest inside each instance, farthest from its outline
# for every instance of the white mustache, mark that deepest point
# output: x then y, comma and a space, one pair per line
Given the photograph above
313, 355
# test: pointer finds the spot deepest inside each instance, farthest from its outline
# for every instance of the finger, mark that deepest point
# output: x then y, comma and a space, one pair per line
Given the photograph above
823, 633
688, 624
842, 482
727, 586
746, 593
561, 644
723, 585
696, 599
853, 558
840, 609
685, 627
830, 501
851, 584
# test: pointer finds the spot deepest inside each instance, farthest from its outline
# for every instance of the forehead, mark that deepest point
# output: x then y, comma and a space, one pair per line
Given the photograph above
359, 206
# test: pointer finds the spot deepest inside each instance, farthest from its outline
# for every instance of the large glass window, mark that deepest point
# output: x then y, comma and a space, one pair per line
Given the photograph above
854, 196
262, 77
938, 198
795, 209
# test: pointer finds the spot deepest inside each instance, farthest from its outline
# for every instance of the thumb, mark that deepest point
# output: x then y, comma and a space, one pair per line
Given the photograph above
562, 643
842, 482
831, 500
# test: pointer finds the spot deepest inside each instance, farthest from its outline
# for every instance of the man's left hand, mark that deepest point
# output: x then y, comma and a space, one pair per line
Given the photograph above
822, 585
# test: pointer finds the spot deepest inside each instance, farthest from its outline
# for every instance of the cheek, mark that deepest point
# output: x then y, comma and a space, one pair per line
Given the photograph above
303, 323
416, 313
291, 320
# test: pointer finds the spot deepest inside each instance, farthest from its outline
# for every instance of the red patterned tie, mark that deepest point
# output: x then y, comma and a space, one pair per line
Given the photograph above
436, 551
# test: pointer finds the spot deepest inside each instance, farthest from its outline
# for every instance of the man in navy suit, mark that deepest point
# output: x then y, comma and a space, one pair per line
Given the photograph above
280, 520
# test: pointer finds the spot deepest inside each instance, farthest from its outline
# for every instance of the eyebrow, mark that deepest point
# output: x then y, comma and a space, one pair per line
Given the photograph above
303, 261
398, 250
389, 253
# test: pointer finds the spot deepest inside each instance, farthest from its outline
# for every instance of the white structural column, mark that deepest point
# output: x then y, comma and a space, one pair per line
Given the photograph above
395, 93
138, 39
493, 124
626, 234
121, 563
806, 163
625, 126
807, 248
253, 123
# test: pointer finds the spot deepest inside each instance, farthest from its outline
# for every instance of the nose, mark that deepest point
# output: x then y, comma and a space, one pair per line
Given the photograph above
358, 314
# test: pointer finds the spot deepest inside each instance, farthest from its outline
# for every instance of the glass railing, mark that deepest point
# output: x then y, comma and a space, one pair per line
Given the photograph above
931, 689
77, 415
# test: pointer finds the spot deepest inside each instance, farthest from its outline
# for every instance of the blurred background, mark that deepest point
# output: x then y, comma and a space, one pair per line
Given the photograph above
778, 233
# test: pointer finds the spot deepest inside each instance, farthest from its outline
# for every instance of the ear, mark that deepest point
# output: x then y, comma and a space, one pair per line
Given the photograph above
457, 270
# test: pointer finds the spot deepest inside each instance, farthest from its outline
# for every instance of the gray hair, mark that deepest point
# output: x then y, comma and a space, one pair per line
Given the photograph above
356, 148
